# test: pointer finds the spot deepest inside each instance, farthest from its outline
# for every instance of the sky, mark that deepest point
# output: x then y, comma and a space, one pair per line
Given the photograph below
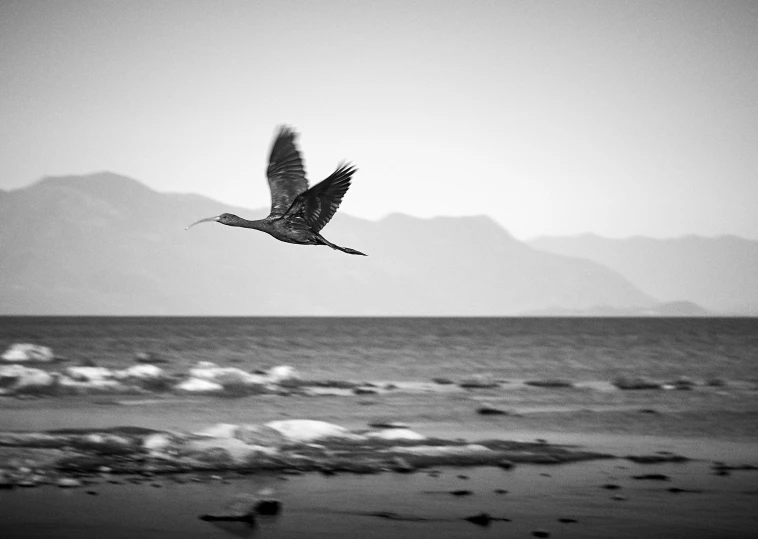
617, 118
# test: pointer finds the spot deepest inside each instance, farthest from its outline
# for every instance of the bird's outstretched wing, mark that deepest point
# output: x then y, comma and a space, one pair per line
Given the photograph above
318, 204
286, 174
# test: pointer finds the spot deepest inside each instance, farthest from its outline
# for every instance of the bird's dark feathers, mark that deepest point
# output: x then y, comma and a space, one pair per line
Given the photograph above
297, 213
286, 174
318, 204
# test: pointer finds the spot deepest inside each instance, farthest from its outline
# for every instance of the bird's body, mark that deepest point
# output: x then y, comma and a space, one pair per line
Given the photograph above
298, 213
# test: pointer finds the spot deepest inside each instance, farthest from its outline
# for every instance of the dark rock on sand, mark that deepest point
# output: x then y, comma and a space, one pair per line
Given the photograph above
678, 490
388, 425
656, 458
482, 519
268, 507
637, 382
487, 409
442, 381
364, 391
505, 464
461, 492
541, 533
567, 520
611, 486
550, 383
652, 477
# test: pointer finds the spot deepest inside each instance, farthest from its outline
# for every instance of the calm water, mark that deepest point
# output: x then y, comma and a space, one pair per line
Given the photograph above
412, 348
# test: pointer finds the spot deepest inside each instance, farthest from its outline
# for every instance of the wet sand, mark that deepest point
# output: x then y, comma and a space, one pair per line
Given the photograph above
693, 502
537, 498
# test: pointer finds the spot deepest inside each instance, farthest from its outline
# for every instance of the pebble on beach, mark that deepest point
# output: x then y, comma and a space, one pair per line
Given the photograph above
482, 519
652, 477
636, 382
381, 424
550, 383
268, 507
487, 409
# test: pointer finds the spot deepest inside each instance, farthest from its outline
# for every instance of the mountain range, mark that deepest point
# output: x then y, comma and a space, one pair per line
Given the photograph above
105, 244
720, 274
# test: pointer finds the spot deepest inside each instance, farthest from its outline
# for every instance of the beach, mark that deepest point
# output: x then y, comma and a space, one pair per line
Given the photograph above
533, 431
596, 498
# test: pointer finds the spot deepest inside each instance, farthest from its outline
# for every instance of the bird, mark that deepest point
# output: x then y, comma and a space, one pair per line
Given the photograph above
298, 213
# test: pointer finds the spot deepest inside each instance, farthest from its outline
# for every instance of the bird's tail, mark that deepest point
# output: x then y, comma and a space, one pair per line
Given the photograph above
347, 250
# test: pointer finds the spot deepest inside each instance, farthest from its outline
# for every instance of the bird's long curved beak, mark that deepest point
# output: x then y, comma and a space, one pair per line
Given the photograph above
206, 220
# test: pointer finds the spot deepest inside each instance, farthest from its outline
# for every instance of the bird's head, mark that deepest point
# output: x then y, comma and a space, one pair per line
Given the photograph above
225, 219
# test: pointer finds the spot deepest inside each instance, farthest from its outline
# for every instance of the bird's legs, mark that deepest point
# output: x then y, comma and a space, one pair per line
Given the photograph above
347, 250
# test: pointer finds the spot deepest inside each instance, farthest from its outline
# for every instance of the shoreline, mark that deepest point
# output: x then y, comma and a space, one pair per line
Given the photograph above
693, 501
592, 499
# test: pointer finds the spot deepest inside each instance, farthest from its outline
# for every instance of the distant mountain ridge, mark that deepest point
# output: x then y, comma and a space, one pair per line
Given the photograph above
105, 244
721, 273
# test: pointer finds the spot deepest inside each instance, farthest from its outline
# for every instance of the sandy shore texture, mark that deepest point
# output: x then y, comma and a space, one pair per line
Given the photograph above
711, 493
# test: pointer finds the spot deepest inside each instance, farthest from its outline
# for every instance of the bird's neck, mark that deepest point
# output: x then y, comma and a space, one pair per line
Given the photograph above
258, 224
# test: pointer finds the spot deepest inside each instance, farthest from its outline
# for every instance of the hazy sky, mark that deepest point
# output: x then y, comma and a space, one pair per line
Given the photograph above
617, 118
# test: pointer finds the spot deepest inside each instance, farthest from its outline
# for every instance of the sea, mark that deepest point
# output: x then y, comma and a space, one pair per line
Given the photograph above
414, 349
714, 421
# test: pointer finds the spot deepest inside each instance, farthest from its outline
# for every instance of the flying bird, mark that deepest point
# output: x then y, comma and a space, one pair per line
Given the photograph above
297, 213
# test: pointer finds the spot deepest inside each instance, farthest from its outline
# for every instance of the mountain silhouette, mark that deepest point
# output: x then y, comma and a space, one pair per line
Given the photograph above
717, 273
105, 244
